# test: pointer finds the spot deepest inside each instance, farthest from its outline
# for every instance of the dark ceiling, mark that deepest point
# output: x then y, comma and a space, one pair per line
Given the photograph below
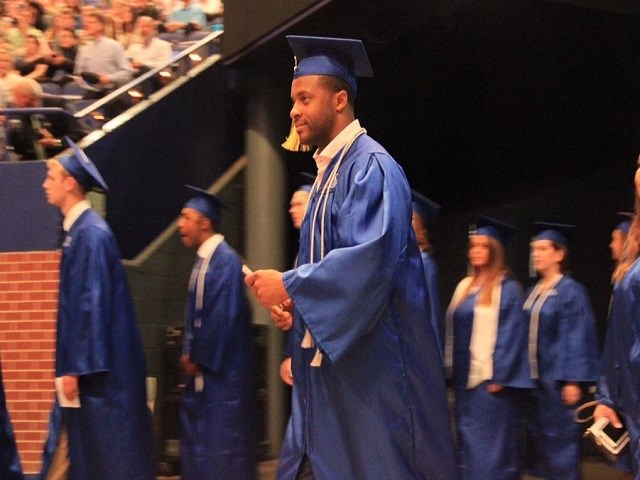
526, 110
485, 100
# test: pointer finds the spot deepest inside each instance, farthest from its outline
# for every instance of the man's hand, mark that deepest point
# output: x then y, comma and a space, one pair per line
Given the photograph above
608, 412
571, 393
104, 79
285, 371
267, 286
494, 388
70, 387
189, 366
282, 315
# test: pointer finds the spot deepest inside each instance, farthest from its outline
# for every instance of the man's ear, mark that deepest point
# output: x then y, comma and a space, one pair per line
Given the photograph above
341, 100
69, 183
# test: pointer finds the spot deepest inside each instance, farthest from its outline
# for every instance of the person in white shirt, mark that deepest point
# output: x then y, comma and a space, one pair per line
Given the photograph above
150, 52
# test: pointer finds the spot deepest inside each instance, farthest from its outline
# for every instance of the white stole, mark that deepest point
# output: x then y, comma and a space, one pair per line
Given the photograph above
535, 304
484, 333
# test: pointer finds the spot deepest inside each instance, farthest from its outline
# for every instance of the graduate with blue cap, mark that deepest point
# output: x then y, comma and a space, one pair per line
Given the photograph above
99, 354
486, 353
218, 439
425, 212
368, 398
619, 234
563, 356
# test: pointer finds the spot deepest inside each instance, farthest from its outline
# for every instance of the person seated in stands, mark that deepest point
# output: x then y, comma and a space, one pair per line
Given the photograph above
149, 52
8, 76
33, 64
214, 10
37, 137
62, 20
145, 8
123, 25
62, 59
17, 36
187, 18
103, 62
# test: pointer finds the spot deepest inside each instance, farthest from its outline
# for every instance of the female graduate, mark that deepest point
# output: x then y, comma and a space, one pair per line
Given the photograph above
618, 392
563, 356
487, 347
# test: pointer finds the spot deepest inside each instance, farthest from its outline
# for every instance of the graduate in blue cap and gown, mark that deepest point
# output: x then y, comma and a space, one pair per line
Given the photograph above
563, 356
297, 210
368, 393
218, 439
619, 234
486, 348
100, 360
10, 468
618, 393
423, 218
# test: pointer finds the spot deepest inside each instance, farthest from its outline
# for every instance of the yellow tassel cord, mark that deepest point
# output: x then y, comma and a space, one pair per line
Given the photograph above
292, 143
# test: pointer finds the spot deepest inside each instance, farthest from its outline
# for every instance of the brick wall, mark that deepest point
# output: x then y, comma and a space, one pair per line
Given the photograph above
28, 303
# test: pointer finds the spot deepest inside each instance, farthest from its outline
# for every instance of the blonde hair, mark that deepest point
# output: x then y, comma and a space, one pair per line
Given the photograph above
56, 166
497, 269
631, 247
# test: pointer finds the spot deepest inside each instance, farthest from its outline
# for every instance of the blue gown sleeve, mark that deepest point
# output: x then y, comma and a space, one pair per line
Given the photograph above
85, 345
579, 350
510, 360
224, 297
633, 292
608, 368
432, 277
344, 295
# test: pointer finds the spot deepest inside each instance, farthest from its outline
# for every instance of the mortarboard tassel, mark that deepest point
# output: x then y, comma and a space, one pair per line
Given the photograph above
292, 143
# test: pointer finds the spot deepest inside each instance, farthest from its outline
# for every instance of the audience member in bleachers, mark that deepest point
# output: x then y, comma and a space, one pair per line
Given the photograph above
33, 63
102, 62
36, 137
8, 76
187, 18
150, 51
17, 35
213, 9
123, 25
147, 9
62, 59
62, 20
39, 20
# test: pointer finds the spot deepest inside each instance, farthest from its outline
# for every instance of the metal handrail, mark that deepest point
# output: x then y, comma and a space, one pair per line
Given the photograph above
36, 111
151, 73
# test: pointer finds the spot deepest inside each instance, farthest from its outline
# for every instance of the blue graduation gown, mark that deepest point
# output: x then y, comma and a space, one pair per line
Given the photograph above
619, 382
432, 277
376, 407
110, 436
10, 468
567, 351
218, 437
487, 423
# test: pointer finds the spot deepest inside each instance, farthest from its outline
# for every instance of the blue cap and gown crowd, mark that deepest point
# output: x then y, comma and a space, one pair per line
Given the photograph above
369, 398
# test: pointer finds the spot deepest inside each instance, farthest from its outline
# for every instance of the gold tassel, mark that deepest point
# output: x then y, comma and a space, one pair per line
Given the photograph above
292, 143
